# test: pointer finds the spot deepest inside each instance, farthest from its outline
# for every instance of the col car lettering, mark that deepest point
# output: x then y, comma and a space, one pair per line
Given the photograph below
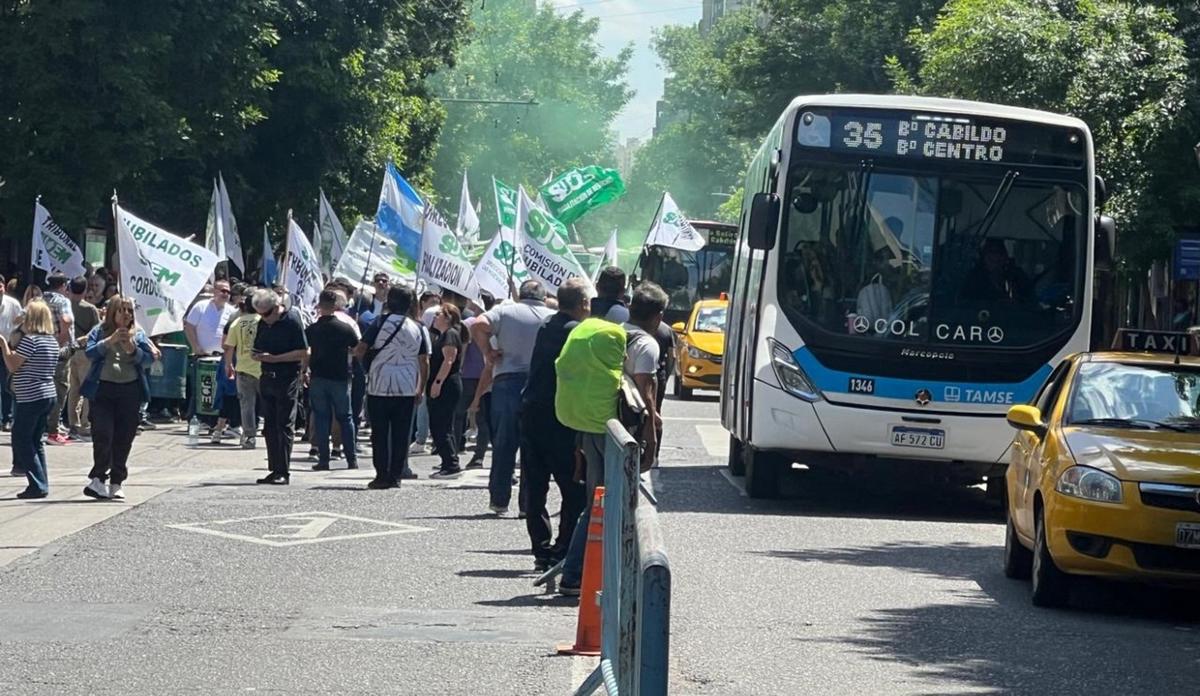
895, 327
969, 334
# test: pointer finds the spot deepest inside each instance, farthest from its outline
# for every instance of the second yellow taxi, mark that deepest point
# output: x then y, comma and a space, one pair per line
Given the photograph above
1104, 478
701, 345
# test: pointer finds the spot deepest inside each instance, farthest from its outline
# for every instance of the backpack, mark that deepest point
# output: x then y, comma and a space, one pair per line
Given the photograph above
631, 407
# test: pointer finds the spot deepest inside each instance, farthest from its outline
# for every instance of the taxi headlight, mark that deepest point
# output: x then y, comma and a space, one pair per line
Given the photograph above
698, 354
789, 373
1089, 484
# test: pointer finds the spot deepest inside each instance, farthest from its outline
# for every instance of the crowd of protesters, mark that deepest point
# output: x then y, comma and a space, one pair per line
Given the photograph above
536, 378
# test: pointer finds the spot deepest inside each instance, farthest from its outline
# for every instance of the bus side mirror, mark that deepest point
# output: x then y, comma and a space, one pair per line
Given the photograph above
1106, 240
764, 220
1101, 192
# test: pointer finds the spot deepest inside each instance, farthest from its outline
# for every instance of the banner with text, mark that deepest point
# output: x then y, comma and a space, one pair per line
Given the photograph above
162, 272
333, 235
53, 248
368, 252
543, 245
443, 261
672, 229
301, 270
575, 193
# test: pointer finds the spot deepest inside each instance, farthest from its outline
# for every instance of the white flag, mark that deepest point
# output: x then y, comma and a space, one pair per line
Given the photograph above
229, 229
498, 263
543, 245
368, 252
162, 272
214, 231
318, 245
468, 221
443, 261
53, 248
302, 273
609, 257
672, 229
333, 235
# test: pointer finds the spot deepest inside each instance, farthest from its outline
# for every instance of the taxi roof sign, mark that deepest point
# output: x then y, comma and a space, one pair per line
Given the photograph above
1150, 341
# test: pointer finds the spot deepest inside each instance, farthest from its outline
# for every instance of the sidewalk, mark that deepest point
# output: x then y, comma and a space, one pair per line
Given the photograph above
218, 585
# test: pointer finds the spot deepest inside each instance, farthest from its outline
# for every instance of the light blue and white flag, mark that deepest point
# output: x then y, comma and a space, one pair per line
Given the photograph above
269, 265
399, 218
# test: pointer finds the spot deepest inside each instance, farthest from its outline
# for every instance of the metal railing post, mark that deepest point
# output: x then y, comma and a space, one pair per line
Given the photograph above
654, 606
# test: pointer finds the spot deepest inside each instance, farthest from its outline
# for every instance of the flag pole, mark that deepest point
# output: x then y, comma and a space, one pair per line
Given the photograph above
657, 212
287, 239
117, 239
32, 259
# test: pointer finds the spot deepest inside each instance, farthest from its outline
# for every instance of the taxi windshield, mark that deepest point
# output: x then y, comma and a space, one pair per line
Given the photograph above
710, 320
1145, 396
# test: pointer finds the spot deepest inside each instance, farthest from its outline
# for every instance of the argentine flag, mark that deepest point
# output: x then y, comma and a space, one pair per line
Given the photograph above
399, 218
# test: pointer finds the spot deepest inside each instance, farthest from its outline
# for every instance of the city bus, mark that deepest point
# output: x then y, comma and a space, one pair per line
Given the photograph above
690, 276
906, 269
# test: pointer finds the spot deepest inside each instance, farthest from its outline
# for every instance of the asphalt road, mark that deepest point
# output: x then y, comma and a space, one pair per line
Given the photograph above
209, 584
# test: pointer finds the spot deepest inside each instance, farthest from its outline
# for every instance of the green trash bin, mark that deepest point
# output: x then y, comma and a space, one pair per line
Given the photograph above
168, 376
204, 385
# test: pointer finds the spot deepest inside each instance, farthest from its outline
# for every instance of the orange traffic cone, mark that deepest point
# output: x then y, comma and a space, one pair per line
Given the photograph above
587, 632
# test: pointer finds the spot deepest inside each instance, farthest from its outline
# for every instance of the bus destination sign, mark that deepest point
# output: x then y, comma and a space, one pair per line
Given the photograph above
940, 137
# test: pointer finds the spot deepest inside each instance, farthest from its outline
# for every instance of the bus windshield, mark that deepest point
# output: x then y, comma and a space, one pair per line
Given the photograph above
688, 276
991, 259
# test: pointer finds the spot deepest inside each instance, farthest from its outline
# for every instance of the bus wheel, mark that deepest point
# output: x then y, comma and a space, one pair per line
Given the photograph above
737, 454
763, 471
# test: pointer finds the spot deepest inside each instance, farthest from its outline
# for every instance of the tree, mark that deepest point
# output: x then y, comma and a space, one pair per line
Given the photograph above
153, 97
1117, 66
521, 55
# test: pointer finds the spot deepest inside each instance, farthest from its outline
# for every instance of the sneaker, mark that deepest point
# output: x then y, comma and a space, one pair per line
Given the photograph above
6, 426
447, 473
116, 492
80, 435
418, 448
568, 590
313, 453
274, 480
97, 489
500, 510
351, 465
231, 434
31, 495
320, 467
249, 444
147, 425
475, 464
215, 438
409, 475
58, 439
380, 484
541, 565
335, 454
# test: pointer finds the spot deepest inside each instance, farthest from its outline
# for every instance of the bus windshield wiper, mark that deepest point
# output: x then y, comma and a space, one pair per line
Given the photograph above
1141, 423
994, 208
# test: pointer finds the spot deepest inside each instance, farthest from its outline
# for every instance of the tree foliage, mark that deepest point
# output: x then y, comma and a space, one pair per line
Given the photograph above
1118, 66
518, 55
153, 97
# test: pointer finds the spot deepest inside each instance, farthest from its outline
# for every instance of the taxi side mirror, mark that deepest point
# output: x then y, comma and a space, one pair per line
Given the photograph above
1028, 418
677, 327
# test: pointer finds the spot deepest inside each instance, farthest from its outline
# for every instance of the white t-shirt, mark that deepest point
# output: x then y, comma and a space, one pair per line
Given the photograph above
10, 310
396, 370
429, 315
209, 321
641, 352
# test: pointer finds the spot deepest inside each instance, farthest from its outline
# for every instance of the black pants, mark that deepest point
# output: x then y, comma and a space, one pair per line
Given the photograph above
441, 421
391, 430
548, 451
280, 393
114, 417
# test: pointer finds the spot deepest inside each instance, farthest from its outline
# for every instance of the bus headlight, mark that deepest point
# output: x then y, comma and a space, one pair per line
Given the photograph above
789, 373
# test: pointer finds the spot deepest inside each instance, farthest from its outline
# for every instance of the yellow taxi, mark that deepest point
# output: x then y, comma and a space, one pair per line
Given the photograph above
701, 344
1104, 477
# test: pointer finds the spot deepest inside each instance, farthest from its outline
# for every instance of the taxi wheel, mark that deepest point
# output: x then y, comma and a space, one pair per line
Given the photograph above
1051, 586
1018, 560
737, 461
763, 471
682, 392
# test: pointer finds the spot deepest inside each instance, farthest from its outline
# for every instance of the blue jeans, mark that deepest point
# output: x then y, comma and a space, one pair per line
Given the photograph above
592, 445
29, 454
421, 430
6, 396
330, 398
506, 435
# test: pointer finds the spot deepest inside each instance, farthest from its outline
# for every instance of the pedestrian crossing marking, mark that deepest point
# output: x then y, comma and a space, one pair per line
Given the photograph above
715, 440
296, 528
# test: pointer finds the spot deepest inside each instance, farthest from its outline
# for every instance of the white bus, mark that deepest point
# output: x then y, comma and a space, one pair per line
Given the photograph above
906, 269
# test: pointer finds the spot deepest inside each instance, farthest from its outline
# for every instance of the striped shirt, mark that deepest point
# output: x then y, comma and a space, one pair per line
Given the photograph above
35, 378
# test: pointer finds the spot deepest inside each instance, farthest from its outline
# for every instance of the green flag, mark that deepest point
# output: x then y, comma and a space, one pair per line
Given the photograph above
506, 204
573, 194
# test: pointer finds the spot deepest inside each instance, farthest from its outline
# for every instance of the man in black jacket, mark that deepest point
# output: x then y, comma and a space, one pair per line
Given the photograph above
548, 446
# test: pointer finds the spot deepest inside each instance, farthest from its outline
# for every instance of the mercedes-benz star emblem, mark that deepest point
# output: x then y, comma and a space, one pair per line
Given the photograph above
995, 334
923, 397
861, 324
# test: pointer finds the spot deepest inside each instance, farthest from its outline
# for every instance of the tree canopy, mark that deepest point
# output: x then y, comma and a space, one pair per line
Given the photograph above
153, 97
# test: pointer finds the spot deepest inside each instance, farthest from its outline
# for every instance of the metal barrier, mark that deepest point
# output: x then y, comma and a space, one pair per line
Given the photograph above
635, 604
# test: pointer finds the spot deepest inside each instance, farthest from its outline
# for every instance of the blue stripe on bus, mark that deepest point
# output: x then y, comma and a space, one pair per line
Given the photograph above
998, 393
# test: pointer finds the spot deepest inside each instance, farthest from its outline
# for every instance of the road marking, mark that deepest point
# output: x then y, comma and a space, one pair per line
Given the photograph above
715, 439
287, 533
691, 420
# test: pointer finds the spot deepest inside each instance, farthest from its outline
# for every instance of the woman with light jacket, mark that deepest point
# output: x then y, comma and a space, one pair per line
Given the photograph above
115, 385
